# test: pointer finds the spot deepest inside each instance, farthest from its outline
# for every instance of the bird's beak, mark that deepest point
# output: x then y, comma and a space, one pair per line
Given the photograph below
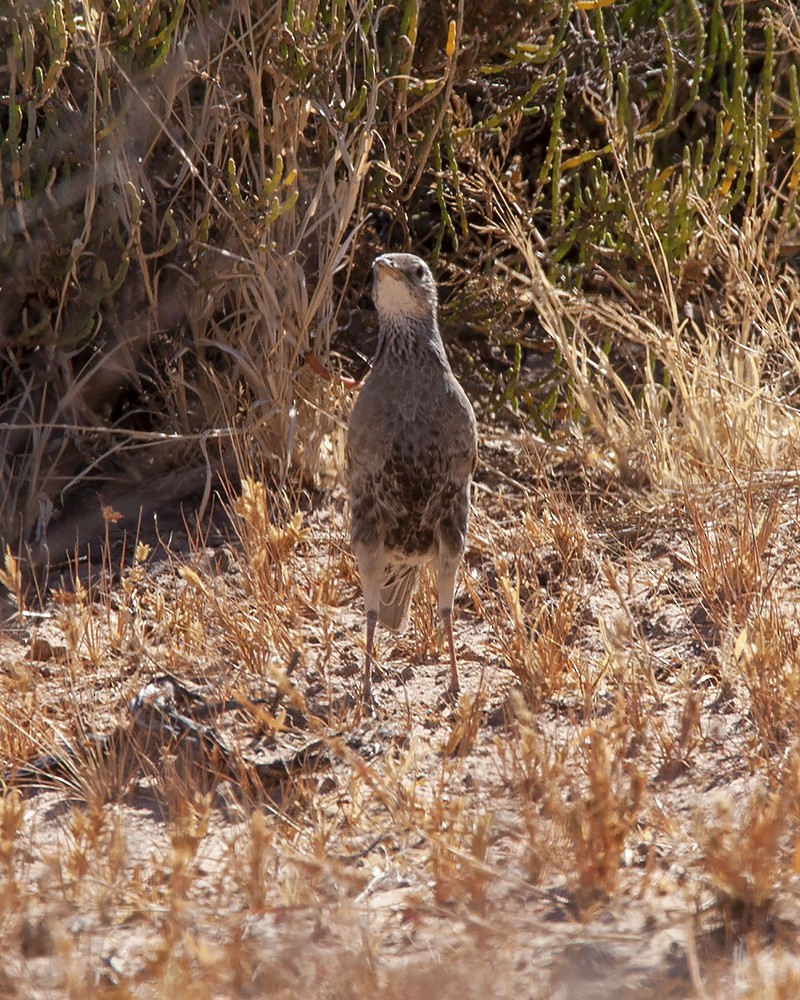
382, 266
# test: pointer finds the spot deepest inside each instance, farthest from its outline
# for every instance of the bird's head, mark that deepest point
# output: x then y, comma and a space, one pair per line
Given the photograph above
403, 287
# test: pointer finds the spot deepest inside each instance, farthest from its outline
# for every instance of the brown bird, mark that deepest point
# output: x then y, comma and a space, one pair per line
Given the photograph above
411, 452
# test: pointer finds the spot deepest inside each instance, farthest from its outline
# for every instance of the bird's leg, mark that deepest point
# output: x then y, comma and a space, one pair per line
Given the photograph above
447, 620
372, 621
370, 568
446, 580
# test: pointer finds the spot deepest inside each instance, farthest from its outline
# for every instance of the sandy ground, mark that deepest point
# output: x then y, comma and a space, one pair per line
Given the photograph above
601, 814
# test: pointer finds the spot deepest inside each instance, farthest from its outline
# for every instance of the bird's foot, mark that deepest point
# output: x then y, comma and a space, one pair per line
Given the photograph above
449, 697
370, 705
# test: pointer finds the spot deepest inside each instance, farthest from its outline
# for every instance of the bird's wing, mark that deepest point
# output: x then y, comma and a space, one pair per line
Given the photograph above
368, 430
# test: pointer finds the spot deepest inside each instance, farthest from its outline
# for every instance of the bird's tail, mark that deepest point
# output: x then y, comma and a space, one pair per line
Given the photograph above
398, 586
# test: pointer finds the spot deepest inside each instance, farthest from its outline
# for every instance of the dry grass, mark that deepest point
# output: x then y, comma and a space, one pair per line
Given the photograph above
617, 783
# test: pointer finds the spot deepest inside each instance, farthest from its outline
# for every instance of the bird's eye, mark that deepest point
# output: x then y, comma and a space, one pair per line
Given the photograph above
419, 271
